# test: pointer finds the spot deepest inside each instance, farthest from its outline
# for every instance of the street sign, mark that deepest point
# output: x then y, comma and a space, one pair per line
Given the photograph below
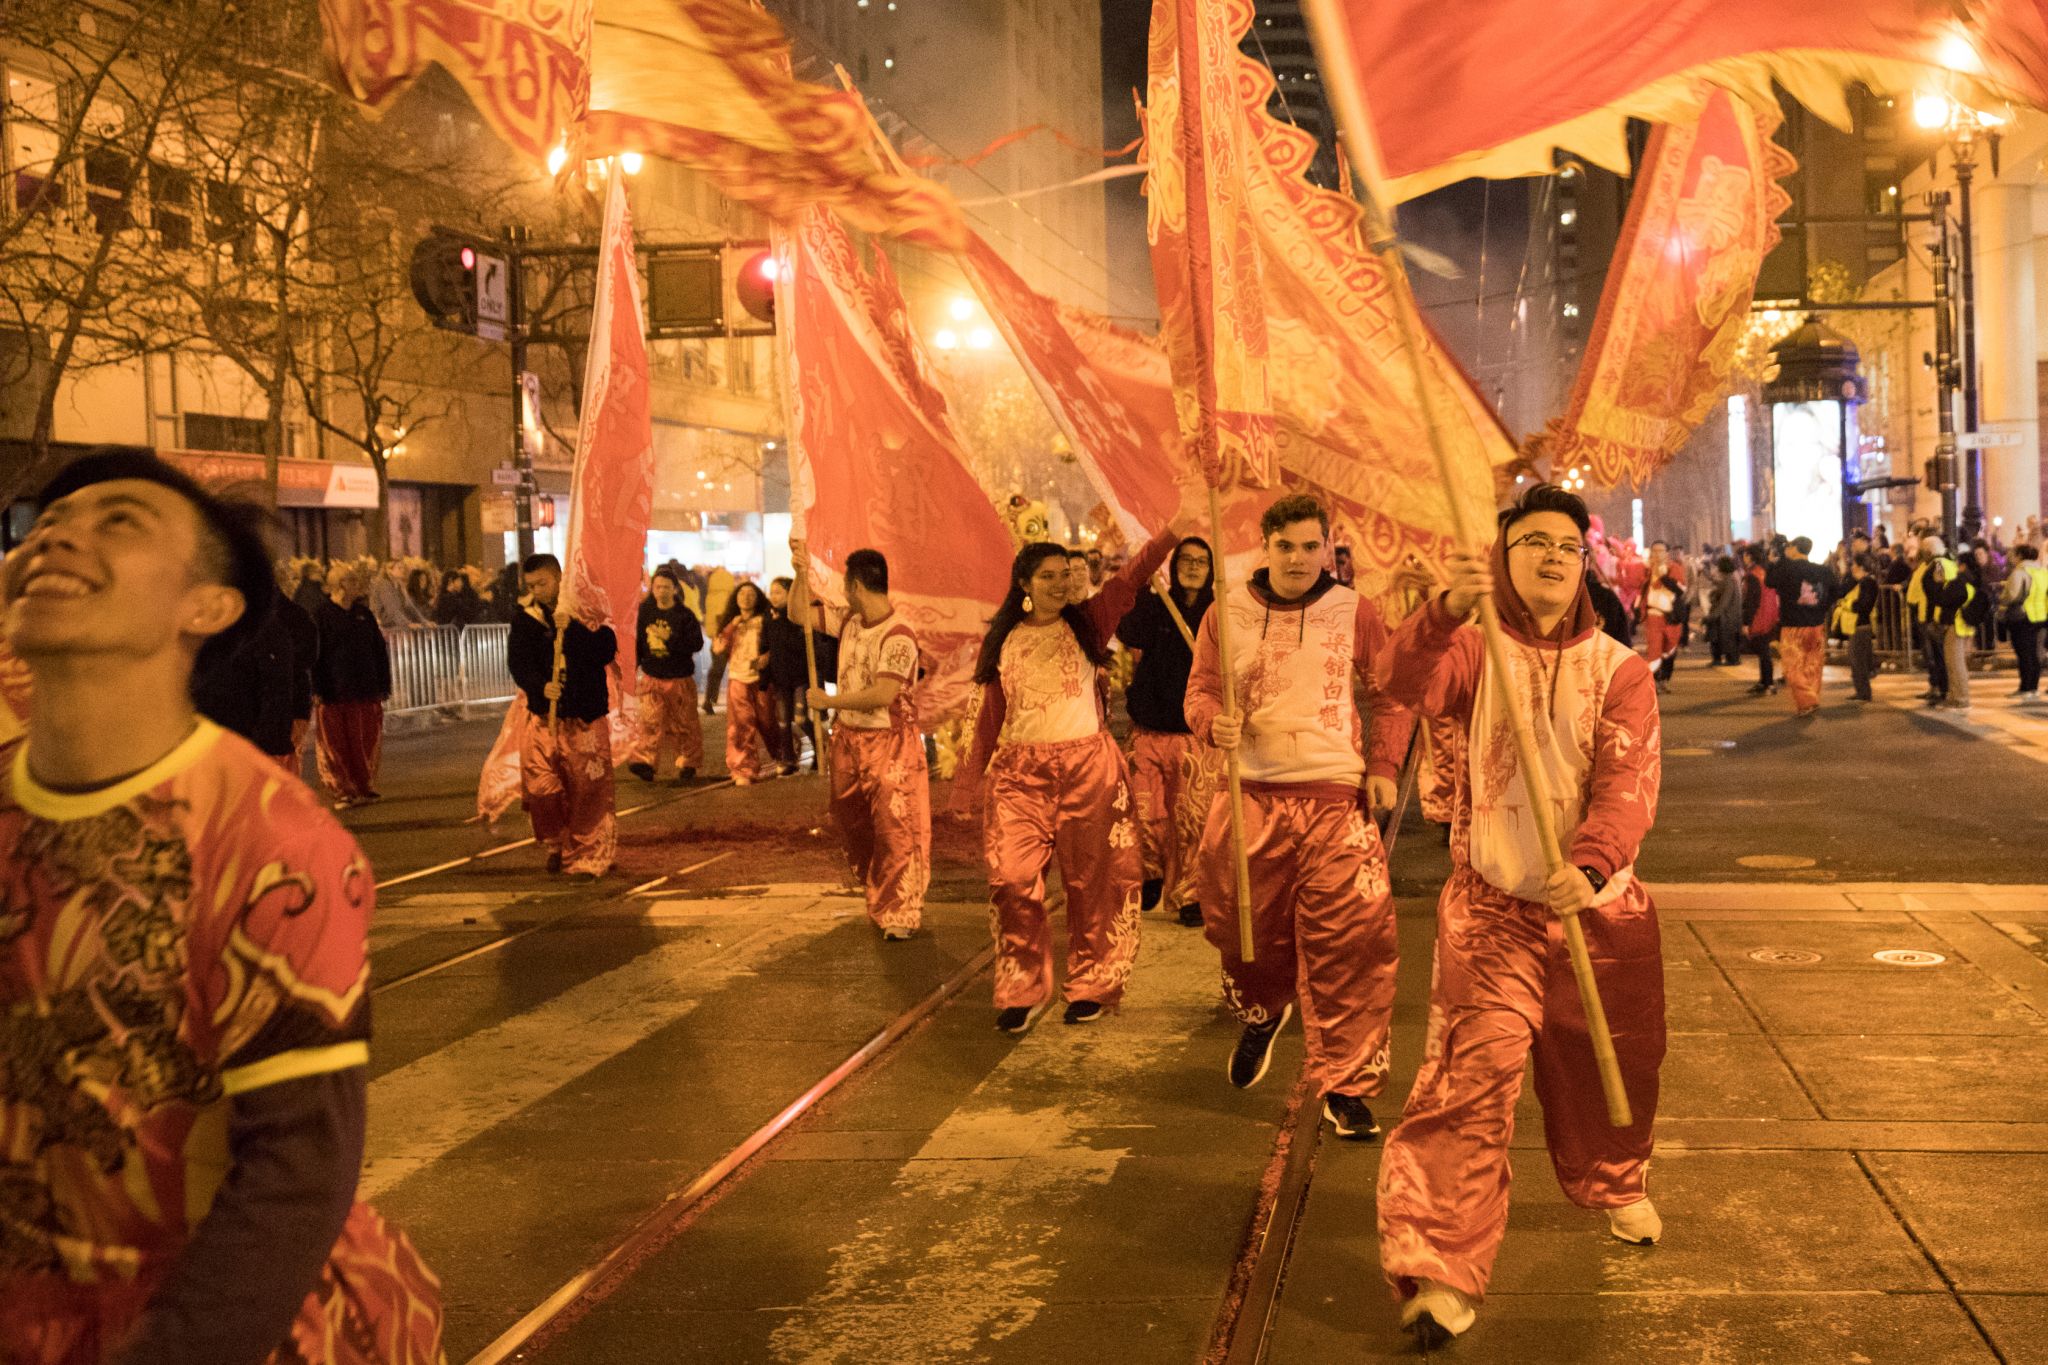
493, 296
505, 477
1982, 440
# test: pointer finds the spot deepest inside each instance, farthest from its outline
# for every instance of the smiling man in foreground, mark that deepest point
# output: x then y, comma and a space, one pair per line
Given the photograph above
184, 986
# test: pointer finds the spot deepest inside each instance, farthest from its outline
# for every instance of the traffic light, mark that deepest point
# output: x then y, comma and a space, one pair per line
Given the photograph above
714, 291
462, 283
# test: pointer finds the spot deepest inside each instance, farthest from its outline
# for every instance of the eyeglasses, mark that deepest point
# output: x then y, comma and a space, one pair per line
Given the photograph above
1548, 548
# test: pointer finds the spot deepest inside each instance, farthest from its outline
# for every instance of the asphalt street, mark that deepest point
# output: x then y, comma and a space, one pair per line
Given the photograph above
1853, 1151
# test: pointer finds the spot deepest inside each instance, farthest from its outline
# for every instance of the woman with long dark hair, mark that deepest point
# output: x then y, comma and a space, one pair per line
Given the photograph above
749, 704
1173, 775
1056, 787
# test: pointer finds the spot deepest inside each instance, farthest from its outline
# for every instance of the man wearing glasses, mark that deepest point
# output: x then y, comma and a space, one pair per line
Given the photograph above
1504, 990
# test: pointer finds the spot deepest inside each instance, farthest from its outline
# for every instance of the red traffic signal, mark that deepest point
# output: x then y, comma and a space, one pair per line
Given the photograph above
461, 283
754, 285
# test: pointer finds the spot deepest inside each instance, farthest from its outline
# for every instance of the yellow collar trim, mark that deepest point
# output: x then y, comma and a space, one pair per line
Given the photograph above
43, 803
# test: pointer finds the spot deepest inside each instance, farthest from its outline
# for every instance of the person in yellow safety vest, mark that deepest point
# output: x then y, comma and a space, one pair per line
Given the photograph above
1962, 607
1855, 621
2026, 610
1934, 570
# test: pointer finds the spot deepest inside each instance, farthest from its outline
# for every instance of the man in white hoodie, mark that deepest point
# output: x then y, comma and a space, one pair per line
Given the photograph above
1312, 767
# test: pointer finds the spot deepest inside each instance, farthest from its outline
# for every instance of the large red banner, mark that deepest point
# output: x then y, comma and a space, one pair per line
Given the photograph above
1701, 219
874, 459
1459, 88
1108, 389
703, 82
1350, 405
611, 499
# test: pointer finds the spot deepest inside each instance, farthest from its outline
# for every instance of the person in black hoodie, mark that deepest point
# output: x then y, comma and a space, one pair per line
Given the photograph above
352, 680
264, 690
458, 603
565, 760
1168, 769
788, 674
665, 648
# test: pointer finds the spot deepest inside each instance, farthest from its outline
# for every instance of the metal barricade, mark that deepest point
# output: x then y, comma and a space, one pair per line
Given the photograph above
485, 678
447, 668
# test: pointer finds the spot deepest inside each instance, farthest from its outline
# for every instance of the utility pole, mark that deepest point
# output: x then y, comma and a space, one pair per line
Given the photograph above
1941, 473
1973, 459
515, 333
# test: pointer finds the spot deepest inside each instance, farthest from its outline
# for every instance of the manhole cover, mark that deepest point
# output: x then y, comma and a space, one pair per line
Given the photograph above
1909, 957
1775, 862
1784, 957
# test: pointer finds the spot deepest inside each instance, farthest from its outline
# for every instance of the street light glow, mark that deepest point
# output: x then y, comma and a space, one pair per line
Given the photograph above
1931, 111
630, 162
1958, 55
981, 338
946, 339
961, 308
558, 157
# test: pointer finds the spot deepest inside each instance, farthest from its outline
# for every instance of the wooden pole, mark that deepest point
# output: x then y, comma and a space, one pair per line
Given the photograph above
1533, 781
554, 703
1229, 680
1354, 120
803, 586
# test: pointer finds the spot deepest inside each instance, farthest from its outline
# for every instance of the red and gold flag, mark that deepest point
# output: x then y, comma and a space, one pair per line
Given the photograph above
611, 492
874, 460
1460, 88
1348, 409
705, 83
1108, 389
1701, 219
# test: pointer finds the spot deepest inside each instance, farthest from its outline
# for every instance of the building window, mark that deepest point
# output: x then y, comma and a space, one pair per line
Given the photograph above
109, 177
31, 144
170, 205
214, 431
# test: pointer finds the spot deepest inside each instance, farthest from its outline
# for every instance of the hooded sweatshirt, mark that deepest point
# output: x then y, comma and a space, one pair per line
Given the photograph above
1296, 664
1592, 704
1160, 684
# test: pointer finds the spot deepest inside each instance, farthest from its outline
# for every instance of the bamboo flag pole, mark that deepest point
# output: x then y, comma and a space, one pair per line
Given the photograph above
1340, 79
803, 594
1236, 786
555, 703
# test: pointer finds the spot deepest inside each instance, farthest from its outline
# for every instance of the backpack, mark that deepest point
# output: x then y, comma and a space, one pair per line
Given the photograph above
1766, 623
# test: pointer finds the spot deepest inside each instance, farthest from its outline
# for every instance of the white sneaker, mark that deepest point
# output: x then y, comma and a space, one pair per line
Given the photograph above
1437, 1313
896, 935
1636, 1224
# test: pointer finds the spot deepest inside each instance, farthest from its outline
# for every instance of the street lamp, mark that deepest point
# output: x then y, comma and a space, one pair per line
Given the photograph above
1964, 128
1816, 484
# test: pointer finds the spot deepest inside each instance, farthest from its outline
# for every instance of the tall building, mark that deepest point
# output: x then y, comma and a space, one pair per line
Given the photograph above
1279, 38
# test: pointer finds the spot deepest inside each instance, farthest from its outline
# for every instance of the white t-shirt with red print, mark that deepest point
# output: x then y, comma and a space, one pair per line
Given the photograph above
869, 654
1049, 686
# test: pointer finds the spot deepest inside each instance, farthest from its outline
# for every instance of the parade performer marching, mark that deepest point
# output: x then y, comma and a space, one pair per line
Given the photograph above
749, 704
666, 652
881, 792
1323, 906
1503, 985
1172, 775
184, 978
565, 759
1056, 787
1663, 592
352, 681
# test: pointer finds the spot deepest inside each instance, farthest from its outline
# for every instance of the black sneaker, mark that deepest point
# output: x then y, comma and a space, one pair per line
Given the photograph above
554, 862
1254, 1052
687, 775
1020, 1018
587, 878
643, 771
1191, 916
1083, 1011
1151, 892
1350, 1117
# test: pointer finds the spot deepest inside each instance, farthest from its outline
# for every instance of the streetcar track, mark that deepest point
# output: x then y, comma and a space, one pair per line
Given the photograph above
1243, 1333
527, 842
601, 1278
505, 940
